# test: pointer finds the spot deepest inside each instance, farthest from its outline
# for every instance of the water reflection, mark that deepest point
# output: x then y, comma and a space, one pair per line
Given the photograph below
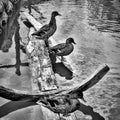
104, 15
14, 106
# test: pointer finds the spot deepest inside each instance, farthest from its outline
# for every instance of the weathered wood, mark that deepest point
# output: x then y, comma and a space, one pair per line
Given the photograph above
41, 69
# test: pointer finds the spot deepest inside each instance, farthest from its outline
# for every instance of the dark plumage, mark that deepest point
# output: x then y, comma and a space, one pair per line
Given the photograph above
64, 106
63, 49
49, 29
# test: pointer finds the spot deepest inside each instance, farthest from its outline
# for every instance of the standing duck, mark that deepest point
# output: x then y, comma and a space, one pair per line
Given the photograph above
49, 29
63, 49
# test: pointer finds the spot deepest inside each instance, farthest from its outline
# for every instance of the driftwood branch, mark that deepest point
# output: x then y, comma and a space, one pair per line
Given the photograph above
15, 95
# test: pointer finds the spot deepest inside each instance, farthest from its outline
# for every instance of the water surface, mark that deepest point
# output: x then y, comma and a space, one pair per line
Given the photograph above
95, 26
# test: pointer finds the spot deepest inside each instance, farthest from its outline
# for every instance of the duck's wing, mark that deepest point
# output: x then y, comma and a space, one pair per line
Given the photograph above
58, 47
43, 30
95, 78
65, 51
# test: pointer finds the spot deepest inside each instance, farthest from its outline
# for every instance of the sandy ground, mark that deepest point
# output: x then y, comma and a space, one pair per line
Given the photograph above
92, 49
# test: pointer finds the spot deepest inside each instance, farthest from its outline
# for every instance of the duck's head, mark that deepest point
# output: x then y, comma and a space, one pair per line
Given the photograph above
55, 13
70, 40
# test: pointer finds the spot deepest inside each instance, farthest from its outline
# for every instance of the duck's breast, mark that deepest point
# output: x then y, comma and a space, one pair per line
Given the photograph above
66, 51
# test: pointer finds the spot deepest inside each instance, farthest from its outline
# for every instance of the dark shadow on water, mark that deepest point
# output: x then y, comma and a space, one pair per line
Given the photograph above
62, 70
104, 15
13, 106
88, 110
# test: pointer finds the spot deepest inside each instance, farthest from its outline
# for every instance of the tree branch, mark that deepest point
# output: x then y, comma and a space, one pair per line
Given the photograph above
15, 95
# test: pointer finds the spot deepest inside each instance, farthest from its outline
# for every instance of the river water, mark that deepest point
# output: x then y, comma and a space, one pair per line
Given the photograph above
95, 26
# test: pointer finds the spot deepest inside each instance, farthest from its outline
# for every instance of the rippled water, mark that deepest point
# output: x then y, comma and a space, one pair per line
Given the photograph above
95, 26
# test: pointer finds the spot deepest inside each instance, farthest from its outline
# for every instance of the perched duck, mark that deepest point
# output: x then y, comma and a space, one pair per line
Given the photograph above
49, 29
63, 49
65, 107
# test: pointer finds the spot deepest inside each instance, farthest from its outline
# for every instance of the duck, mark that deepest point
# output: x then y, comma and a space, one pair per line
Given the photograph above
63, 49
64, 107
49, 29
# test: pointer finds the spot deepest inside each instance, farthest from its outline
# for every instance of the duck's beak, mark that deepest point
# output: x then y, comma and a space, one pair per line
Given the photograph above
74, 42
59, 14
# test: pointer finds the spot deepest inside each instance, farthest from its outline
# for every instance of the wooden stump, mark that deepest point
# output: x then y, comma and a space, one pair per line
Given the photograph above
43, 77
